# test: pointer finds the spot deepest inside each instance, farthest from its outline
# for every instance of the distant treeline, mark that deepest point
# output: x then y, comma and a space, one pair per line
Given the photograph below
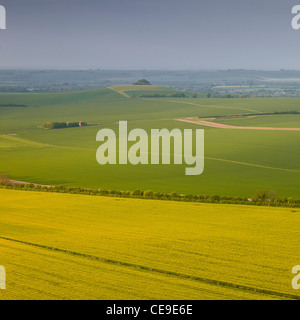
162, 95
261, 198
12, 89
272, 113
253, 114
227, 95
13, 105
59, 125
153, 95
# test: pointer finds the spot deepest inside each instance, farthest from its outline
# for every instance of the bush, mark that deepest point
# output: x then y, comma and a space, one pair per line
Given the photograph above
174, 195
137, 193
148, 194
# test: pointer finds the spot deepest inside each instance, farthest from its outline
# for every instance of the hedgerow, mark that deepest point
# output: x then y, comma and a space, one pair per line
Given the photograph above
140, 194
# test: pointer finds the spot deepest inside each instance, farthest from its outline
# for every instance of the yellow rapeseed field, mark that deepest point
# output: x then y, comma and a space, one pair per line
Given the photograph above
62, 246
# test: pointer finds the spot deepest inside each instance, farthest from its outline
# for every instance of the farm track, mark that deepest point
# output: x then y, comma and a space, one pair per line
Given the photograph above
121, 92
212, 282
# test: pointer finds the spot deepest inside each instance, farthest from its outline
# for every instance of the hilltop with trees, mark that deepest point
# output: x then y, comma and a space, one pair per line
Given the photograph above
142, 82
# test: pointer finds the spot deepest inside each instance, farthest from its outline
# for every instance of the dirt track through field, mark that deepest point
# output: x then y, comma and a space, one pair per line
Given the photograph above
120, 92
27, 183
225, 126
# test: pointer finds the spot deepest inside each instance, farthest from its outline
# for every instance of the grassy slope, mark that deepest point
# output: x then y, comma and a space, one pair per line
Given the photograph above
71, 157
254, 247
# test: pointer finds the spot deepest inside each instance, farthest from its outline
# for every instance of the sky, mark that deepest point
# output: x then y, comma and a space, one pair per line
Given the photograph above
150, 34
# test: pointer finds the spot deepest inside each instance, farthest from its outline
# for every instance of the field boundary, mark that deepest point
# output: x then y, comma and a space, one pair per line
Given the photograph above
225, 126
150, 195
203, 105
160, 271
253, 165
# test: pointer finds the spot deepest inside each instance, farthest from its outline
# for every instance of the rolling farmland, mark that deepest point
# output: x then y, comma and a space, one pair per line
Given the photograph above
149, 155
63, 246
237, 163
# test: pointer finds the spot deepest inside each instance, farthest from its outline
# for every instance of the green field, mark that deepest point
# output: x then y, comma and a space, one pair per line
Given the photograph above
237, 162
61, 246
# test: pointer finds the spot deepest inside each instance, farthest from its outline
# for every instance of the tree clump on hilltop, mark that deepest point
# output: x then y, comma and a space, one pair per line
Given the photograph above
142, 82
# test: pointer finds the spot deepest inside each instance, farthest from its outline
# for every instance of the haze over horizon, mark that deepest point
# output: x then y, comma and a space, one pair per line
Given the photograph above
151, 35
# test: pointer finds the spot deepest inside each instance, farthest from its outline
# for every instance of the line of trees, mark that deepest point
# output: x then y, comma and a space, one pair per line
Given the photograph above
271, 113
252, 114
227, 95
163, 95
59, 125
261, 198
13, 105
153, 95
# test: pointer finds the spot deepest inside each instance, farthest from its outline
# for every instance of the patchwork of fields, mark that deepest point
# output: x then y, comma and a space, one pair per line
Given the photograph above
61, 246
237, 162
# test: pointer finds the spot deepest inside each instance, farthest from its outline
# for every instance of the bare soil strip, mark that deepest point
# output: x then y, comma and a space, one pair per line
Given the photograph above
225, 126
26, 183
160, 271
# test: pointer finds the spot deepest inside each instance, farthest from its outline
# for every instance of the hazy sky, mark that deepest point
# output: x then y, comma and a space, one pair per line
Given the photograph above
150, 34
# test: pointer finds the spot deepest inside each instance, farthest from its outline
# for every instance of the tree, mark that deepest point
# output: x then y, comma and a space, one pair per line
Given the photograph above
260, 195
5, 177
263, 195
